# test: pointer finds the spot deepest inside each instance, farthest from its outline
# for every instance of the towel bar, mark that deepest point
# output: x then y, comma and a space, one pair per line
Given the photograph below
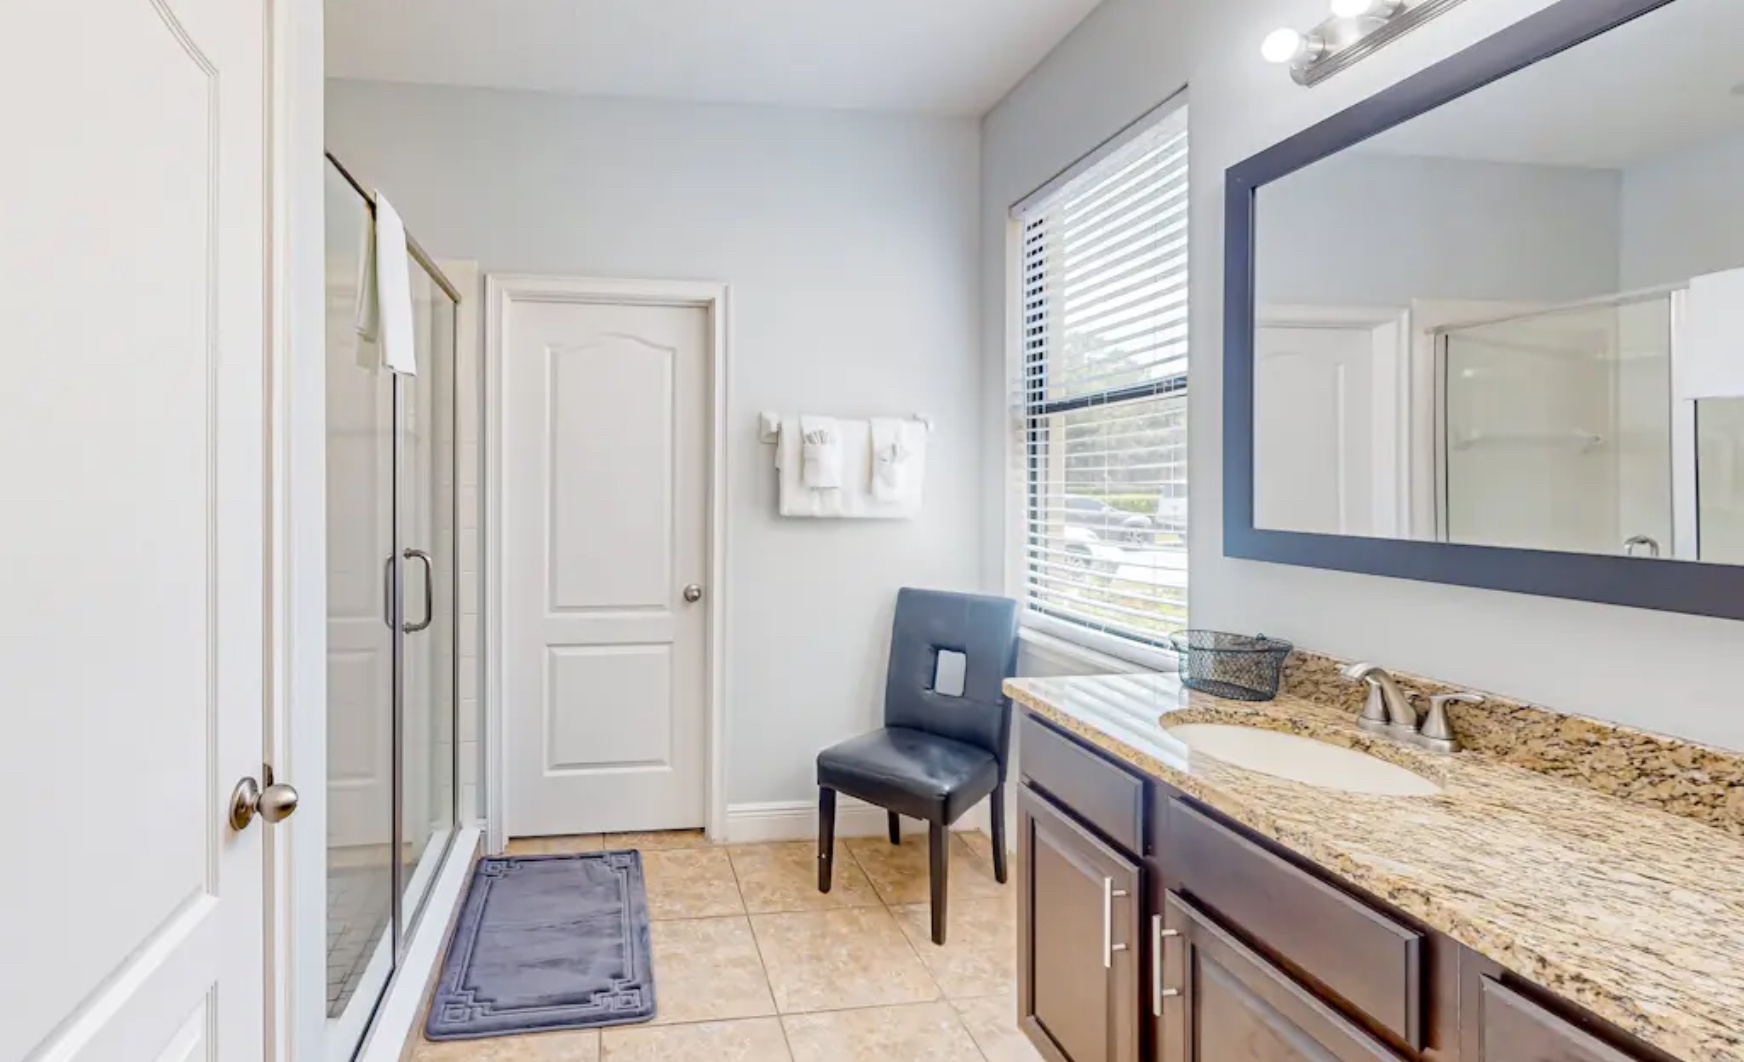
769, 428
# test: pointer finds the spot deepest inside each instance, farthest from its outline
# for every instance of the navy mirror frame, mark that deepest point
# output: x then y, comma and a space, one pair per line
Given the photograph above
1665, 585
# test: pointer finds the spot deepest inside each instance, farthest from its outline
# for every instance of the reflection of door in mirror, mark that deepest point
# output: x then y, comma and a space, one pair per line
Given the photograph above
1330, 417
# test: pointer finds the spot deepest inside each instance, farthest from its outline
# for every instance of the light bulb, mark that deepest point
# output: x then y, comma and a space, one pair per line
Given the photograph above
1369, 8
1290, 46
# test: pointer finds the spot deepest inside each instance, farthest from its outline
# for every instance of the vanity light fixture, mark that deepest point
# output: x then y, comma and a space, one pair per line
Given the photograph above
1356, 30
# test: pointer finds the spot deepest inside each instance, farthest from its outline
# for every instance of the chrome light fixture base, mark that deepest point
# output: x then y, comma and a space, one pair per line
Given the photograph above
1351, 40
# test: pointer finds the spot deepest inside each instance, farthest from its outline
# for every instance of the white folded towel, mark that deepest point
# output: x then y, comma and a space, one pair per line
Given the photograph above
384, 296
890, 454
821, 453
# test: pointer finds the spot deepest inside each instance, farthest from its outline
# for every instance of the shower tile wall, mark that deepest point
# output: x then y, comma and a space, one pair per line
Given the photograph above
357, 900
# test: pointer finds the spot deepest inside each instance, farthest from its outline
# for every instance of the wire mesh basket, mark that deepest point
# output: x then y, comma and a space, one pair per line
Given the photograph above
1237, 666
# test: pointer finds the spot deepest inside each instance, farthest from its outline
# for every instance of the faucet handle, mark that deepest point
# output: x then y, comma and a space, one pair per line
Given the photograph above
1435, 725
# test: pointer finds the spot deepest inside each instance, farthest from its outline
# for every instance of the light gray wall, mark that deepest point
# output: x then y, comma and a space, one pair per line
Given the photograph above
849, 242
1380, 230
1683, 215
1664, 672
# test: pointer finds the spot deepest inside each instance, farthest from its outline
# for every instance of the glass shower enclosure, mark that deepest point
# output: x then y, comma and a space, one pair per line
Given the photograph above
1560, 431
391, 620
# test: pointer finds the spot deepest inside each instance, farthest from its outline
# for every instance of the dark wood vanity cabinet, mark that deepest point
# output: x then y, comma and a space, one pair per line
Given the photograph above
1078, 932
1153, 928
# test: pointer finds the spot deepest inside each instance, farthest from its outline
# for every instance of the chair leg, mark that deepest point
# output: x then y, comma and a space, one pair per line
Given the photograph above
895, 827
826, 836
996, 814
939, 855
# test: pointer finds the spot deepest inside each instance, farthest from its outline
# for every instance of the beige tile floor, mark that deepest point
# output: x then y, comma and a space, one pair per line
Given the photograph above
753, 964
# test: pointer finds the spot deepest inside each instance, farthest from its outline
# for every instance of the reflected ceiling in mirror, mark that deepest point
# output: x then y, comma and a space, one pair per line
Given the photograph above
1517, 320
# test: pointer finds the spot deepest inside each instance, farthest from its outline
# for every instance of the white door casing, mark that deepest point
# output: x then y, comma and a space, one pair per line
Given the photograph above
605, 499
133, 277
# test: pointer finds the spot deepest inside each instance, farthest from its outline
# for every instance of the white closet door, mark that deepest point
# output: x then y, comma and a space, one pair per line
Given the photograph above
134, 205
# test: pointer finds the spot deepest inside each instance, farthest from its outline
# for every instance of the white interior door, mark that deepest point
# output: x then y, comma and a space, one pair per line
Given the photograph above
1322, 445
132, 274
605, 496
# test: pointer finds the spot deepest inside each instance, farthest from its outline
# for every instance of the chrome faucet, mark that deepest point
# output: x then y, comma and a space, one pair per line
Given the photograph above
1389, 710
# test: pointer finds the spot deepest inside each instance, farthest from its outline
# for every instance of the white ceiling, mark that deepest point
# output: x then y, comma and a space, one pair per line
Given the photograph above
1663, 82
956, 57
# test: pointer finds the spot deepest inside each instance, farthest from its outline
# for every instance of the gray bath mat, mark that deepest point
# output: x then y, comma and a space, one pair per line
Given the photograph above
547, 942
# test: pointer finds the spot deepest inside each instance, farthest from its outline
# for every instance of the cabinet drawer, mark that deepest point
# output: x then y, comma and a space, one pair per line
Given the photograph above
1370, 961
1515, 1029
1095, 790
1228, 1004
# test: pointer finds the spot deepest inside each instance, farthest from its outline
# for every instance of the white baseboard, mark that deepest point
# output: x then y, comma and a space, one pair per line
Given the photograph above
796, 820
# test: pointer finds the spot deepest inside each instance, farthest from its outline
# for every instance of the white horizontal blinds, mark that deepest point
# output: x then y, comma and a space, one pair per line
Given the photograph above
1101, 406
1112, 260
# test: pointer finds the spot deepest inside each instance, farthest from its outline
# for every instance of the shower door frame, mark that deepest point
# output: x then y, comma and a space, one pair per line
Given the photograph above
347, 1037
1685, 542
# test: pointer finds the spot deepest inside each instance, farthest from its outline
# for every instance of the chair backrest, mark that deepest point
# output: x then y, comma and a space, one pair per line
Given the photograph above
984, 630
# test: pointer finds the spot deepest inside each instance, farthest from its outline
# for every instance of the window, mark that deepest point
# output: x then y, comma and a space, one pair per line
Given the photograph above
1101, 402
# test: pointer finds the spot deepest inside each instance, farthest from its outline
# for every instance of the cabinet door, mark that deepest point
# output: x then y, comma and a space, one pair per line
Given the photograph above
1223, 1002
1078, 939
1515, 1029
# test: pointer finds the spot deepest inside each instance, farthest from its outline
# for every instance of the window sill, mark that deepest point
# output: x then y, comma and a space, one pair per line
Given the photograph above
1090, 652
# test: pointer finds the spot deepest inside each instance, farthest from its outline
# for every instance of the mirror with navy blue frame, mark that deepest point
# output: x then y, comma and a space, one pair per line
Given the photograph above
1486, 328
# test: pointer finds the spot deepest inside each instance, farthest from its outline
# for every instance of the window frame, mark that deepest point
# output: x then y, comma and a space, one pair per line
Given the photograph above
1029, 362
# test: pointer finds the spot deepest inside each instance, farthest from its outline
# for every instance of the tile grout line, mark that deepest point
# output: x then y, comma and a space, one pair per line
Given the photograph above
912, 949
763, 963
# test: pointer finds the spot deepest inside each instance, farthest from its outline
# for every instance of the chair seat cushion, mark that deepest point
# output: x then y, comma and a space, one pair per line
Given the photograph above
917, 774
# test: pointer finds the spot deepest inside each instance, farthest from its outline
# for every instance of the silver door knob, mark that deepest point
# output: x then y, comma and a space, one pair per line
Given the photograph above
275, 803
693, 593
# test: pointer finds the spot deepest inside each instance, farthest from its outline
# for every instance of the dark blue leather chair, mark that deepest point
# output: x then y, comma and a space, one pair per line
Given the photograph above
938, 755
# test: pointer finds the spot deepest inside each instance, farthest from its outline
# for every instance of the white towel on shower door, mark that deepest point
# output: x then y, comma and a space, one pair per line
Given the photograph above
386, 338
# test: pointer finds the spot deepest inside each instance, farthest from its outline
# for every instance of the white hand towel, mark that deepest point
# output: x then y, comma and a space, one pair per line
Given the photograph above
384, 296
890, 454
821, 453
1709, 360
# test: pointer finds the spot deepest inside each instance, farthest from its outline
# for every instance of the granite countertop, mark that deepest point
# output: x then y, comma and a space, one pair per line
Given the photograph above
1633, 913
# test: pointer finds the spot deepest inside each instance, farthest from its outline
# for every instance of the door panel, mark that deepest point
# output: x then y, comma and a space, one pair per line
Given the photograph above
133, 562
612, 401
606, 501
1315, 430
1079, 938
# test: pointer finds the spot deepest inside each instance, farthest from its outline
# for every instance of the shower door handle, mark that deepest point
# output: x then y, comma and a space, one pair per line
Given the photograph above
429, 591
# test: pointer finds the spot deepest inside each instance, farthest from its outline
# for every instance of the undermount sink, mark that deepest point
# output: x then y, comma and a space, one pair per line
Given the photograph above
1301, 759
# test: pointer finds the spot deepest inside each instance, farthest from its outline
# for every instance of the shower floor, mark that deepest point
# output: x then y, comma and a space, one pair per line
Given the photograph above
358, 911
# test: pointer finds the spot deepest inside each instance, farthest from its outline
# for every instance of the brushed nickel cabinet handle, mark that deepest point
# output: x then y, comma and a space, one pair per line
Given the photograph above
1109, 947
1158, 992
